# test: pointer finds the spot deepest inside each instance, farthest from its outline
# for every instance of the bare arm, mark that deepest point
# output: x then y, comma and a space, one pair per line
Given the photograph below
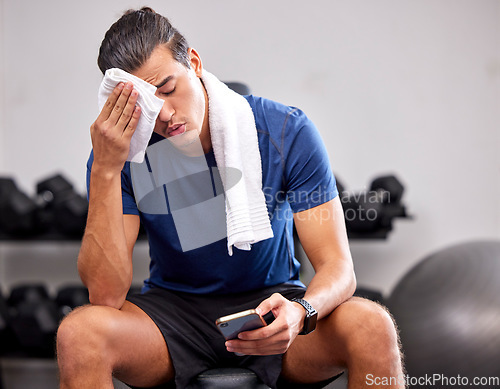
105, 259
323, 236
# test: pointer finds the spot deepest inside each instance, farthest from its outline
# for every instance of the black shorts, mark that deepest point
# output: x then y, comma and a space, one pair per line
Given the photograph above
187, 322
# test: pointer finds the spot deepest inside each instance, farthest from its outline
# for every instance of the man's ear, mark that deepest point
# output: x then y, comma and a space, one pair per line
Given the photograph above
195, 61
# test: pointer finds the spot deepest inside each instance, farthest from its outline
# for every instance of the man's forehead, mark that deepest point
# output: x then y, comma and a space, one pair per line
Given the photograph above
159, 68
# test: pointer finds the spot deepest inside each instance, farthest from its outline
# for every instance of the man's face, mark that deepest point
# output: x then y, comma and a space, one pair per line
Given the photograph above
184, 115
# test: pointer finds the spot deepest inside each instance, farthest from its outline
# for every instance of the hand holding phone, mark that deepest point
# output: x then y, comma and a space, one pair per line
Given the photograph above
231, 325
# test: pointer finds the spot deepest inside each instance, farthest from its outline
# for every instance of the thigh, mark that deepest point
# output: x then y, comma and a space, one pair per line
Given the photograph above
326, 351
146, 360
127, 339
315, 357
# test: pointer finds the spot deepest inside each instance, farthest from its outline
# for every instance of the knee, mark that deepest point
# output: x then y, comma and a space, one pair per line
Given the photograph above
76, 331
370, 329
83, 336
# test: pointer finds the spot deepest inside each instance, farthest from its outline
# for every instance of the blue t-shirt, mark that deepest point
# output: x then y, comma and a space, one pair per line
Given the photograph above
180, 201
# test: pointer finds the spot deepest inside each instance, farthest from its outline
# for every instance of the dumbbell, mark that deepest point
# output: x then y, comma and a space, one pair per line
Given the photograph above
17, 210
392, 190
34, 319
373, 210
61, 206
389, 185
71, 297
7, 338
363, 212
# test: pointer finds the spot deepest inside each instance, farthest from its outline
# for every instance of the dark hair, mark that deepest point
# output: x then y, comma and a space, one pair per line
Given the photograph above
129, 42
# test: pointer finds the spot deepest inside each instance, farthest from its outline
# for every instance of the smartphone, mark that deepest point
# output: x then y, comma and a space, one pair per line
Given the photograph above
231, 325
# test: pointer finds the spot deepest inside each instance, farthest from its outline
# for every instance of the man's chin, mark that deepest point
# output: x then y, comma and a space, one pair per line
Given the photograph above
188, 142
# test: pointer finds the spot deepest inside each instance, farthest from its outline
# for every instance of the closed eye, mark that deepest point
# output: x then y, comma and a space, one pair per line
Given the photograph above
167, 93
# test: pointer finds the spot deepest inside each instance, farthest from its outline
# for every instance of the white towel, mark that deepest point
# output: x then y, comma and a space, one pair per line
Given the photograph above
236, 149
149, 103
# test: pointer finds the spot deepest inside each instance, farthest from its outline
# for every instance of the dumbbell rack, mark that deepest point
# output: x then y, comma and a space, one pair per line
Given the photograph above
28, 250
48, 258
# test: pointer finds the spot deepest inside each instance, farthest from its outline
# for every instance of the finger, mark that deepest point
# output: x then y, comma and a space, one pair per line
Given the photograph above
257, 334
132, 124
121, 103
277, 326
256, 347
111, 101
128, 111
272, 303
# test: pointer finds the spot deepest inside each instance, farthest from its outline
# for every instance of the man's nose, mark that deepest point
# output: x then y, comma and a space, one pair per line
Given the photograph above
166, 112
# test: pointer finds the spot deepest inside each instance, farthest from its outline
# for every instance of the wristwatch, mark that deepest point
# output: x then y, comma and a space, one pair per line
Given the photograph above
311, 316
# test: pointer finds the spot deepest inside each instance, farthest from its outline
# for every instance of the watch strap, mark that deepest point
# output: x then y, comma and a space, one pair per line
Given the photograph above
311, 316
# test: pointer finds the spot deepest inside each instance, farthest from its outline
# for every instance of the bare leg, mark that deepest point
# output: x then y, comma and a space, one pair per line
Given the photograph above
95, 343
359, 336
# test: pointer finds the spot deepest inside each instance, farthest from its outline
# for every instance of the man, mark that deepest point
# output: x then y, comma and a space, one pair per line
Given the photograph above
168, 333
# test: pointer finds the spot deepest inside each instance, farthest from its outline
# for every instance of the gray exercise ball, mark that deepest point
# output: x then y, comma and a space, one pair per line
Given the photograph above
448, 311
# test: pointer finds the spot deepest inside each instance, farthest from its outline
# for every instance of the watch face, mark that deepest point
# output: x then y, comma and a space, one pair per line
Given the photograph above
310, 319
310, 323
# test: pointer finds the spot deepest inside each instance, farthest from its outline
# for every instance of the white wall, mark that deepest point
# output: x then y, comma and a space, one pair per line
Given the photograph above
2, 88
410, 87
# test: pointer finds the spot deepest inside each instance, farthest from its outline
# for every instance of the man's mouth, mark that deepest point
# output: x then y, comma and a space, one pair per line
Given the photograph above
176, 129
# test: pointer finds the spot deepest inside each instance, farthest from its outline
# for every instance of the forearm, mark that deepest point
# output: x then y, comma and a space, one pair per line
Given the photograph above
104, 262
323, 236
333, 283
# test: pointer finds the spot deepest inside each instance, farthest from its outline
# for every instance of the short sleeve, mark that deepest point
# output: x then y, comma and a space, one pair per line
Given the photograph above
128, 199
309, 179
